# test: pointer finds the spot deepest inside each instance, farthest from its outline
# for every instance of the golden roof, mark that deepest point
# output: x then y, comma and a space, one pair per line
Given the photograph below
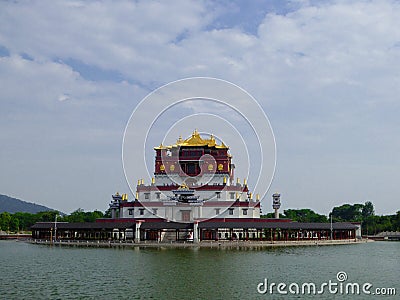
195, 141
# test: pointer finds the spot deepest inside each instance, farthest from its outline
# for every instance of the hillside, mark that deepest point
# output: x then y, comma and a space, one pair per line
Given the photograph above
13, 205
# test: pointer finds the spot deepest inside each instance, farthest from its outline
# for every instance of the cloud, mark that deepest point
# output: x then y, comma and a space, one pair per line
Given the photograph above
63, 97
326, 74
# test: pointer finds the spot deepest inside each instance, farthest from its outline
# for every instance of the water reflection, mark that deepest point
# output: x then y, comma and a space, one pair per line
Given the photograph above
33, 271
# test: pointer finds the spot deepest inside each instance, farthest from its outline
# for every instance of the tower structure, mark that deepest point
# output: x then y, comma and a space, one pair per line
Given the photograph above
193, 181
276, 204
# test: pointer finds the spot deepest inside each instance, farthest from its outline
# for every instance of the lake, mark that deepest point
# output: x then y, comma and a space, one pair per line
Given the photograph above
53, 272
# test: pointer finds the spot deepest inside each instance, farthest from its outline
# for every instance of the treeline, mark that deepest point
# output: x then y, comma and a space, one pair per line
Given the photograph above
370, 223
22, 221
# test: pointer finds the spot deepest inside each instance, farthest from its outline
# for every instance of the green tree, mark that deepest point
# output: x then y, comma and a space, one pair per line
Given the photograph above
271, 215
397, 222
305, 215
77, 216
80, 215
107, 213
348, 213
26, 220
5, 219
47, 216
367, 210
14, 224
92, 216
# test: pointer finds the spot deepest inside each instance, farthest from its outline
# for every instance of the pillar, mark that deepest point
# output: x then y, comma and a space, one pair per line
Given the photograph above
137, 232
195, 232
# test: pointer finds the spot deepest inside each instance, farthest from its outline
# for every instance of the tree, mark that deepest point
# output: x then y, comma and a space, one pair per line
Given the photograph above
14, 224
92, 216
5, 219
397, 221
271, 215
107, 213
348, 212
77, 216
80, 215
367, 210
305, 215
47, 216
26, 220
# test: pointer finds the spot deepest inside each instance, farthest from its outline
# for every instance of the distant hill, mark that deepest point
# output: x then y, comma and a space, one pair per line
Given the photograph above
13, 205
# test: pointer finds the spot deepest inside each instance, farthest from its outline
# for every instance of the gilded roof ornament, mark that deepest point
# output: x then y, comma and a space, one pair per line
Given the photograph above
183, 186
195, 140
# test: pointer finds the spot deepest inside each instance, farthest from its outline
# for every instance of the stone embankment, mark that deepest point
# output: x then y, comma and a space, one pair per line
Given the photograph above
209, 244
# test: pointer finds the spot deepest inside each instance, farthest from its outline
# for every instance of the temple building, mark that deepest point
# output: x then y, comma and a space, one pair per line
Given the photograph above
193, 181
193, 196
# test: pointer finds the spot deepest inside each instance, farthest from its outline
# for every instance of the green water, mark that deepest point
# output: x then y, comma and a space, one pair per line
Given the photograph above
44, 272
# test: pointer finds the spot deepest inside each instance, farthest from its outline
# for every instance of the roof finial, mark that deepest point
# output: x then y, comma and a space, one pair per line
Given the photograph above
179, 140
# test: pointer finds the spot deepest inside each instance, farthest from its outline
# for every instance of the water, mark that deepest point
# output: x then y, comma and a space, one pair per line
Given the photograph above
45, 272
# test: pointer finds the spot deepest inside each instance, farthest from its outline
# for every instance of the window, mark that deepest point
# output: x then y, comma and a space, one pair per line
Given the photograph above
232, 195
130, 211
191, 169
158, 195
217, 210
147, 196
218, 195
245, 211
231, 211
141, 211
185, 215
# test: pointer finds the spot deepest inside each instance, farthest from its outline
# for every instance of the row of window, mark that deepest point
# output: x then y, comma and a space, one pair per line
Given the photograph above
158, 195
147, 196
217, 211
231, 195
231, 210
141, 211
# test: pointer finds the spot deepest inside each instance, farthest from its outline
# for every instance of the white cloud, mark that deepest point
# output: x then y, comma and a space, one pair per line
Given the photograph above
326, 74
63, 97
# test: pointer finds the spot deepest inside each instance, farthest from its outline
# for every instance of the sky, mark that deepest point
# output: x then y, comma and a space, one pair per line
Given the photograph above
326, 73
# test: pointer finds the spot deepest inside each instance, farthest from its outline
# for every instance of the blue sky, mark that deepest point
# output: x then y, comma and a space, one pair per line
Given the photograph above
325, 72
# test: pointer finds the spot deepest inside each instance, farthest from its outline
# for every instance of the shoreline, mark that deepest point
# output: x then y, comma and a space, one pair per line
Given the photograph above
202, 244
